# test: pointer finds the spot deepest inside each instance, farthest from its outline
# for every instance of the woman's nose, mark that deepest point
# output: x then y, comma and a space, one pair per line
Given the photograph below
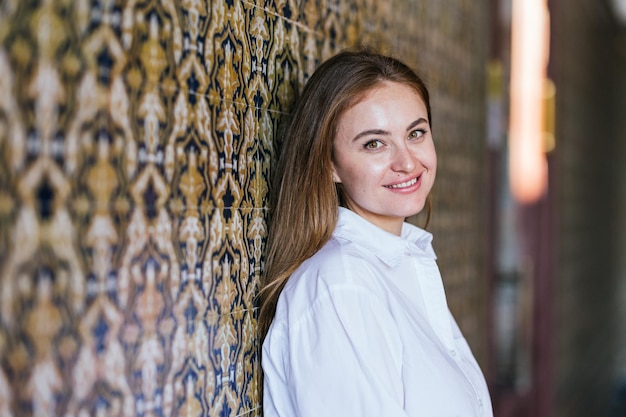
403, 160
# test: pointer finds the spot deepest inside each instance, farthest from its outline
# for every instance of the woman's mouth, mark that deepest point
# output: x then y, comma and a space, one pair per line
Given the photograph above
405, 184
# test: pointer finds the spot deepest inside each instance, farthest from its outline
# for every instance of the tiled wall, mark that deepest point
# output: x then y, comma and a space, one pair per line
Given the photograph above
588, 68
136, 141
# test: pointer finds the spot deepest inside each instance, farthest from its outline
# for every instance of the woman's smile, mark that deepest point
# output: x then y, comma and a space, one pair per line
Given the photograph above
404, 185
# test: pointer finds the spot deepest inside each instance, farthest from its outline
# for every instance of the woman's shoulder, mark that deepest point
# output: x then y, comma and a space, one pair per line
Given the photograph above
338, 267
339, 261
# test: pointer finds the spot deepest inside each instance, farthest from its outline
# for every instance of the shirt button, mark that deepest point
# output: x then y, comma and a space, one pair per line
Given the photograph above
453, 352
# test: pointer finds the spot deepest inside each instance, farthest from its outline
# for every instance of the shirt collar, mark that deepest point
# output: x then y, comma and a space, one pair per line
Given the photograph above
386, 246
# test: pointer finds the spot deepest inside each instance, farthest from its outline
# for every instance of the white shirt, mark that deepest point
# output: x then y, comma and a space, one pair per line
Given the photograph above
362, 328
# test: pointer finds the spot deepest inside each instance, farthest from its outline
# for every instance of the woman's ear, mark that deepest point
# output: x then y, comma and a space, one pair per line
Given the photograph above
336, 178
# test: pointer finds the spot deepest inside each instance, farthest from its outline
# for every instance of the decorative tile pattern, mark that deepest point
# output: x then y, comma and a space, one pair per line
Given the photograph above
137, 139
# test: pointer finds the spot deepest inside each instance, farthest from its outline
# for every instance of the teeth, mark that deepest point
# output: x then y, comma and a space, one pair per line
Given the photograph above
404, 184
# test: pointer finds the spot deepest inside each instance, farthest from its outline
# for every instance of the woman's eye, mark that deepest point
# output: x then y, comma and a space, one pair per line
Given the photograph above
416, 134
373, 144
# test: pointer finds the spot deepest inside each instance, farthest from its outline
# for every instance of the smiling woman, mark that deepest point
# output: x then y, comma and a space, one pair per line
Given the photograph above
353, 316
384, 156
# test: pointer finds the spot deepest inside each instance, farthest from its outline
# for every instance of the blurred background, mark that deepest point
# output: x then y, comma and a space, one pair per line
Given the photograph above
137, 139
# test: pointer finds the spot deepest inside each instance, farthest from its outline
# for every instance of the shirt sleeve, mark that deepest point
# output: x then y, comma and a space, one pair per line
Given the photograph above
342, 358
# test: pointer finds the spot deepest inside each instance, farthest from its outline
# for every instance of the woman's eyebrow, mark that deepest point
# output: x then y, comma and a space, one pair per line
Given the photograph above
419, 121
376, 132
381, 132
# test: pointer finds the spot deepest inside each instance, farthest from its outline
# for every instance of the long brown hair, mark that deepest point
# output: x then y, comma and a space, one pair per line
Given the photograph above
305, 201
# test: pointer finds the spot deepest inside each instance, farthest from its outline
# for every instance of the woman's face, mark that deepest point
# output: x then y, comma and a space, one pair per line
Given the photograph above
384, 155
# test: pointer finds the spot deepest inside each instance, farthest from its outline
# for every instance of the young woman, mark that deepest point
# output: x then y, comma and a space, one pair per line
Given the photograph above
353, 315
